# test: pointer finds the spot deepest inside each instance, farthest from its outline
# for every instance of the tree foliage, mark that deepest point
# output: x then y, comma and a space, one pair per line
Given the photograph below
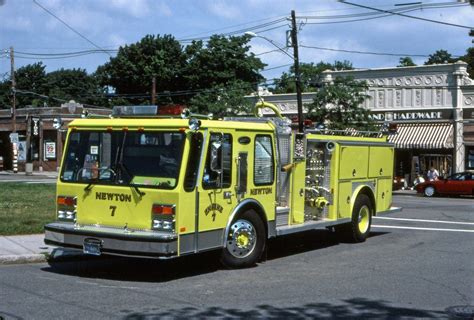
222, 100
406, 62
73, 84
185, 72
469, 59
440, 57
31, 78
309, 75
133, 69
338, 105
35, 87
221, 61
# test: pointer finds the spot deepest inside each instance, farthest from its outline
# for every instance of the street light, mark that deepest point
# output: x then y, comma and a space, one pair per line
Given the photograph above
254, 35
294, 44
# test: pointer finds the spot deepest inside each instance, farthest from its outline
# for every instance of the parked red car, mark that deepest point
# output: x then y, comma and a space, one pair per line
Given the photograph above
457, 184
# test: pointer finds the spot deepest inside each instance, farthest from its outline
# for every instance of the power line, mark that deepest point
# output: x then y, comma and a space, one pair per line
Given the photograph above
408, 16
232, 26
277, 67
63, 53
239, 31
400, 10
71, 28
372, 53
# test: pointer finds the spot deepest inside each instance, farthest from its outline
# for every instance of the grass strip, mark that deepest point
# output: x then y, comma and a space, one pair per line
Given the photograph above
26, 208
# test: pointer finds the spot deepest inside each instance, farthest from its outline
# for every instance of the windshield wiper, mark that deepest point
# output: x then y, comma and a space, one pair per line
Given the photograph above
119, 162
127, 171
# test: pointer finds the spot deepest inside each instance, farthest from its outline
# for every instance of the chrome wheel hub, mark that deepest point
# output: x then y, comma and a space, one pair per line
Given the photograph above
242, 239
429, 191
363, 219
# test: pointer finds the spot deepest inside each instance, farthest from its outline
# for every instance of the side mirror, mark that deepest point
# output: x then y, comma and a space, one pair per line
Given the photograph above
216, 156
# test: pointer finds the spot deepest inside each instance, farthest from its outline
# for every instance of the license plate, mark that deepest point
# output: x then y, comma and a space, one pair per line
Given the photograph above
92, 246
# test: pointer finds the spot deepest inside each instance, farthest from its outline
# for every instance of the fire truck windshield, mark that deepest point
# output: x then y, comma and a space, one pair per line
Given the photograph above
148, 159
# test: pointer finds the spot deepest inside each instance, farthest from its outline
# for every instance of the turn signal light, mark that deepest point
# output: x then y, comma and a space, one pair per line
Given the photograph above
66, 201
163, 209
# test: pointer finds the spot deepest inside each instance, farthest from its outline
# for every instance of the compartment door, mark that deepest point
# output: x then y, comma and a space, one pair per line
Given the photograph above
354, 162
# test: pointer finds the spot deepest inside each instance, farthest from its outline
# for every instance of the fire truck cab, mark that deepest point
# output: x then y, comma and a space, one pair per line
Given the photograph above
164, 187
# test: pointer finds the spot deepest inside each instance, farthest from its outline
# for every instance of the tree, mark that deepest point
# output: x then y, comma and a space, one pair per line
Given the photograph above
222, 61
5, 101
133, 69
29, 78
309, 75
406, 62
338, 105
469, 59
223, 100
183, 72
72, 84
440, 57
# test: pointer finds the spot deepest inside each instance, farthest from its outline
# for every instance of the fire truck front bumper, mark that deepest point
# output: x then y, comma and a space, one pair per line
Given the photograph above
94, 240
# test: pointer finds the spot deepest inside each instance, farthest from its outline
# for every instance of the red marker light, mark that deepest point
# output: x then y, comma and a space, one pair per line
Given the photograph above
161, 209
65, 201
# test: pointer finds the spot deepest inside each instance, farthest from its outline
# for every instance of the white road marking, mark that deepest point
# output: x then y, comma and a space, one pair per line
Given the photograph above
422, 220
427, 229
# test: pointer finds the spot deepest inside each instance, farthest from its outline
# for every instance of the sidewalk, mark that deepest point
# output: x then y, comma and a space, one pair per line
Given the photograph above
49, 174
23, 249
29, 249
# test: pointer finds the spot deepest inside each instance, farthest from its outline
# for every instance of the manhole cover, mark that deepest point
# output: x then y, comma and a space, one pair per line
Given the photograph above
461, 312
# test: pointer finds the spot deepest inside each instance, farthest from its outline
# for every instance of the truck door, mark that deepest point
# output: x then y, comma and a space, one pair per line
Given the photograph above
216, 195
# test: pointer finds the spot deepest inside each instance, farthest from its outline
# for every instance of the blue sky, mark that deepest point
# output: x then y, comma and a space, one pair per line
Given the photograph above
112, 23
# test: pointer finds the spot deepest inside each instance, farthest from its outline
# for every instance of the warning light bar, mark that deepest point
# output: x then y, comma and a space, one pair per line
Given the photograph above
118, 111
148, 111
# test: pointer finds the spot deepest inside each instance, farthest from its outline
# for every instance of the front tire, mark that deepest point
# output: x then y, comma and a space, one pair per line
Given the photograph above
361, 218
429, 191
245, 241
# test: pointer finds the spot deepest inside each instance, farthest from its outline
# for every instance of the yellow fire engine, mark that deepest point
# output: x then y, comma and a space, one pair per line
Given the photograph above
164, 187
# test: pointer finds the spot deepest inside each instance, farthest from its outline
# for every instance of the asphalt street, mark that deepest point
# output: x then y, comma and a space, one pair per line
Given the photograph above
418, 263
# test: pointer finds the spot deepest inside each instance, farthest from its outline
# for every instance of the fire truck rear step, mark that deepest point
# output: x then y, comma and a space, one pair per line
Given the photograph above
311, 225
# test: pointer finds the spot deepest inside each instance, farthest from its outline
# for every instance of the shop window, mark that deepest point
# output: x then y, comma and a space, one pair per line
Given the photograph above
470, 158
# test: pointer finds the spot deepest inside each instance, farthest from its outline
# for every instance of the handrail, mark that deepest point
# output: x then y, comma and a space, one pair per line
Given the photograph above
263, 104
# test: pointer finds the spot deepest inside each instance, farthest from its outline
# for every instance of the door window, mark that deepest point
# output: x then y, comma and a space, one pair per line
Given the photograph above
218, 169
263, 161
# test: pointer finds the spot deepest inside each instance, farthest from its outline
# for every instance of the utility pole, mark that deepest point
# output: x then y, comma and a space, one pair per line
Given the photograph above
153, 91
294, 44
12, 62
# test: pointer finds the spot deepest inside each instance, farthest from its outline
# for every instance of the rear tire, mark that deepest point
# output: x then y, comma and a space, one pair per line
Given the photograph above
361, 218
245, 241
429, 191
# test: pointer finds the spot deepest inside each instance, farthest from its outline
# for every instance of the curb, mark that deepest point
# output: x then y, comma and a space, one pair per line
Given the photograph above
23, 258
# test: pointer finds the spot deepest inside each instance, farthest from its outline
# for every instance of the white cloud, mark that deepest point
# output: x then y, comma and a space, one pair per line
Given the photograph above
224, 9
116, 40
164, 10
135, 8
17, 23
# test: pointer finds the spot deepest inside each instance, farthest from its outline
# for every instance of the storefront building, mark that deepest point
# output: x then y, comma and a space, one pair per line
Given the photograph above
433, 107
36, 137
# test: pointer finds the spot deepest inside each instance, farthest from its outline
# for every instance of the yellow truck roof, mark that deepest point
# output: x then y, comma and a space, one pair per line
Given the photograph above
150, 123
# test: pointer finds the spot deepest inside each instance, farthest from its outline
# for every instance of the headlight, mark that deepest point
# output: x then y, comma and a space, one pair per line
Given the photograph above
67, 208
163, 217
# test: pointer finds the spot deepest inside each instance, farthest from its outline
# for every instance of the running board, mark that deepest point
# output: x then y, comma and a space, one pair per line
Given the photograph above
313, 225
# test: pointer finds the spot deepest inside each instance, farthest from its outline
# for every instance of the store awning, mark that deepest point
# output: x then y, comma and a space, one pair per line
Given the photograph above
423, 136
